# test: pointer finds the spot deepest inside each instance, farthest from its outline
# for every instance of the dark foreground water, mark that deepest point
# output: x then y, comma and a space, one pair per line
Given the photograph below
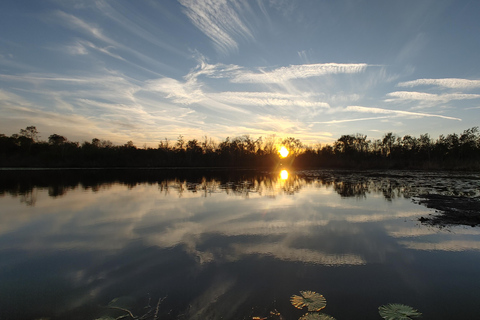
231, 245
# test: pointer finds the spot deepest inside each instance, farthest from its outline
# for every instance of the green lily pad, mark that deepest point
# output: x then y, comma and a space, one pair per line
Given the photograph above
316, 316
396, 311
312, 300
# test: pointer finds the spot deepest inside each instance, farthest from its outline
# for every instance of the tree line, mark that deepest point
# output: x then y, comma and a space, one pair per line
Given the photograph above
453, 151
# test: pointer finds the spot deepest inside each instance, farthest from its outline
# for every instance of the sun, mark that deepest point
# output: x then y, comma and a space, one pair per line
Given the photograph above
284, 174
283, 152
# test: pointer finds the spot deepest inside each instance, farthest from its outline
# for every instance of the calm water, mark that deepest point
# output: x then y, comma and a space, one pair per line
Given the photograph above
235, 245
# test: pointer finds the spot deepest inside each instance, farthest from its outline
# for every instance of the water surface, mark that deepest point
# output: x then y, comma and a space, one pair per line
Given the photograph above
231, 245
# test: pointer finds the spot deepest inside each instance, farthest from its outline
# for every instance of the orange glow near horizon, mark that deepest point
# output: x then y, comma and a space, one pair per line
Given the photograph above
283, 152
284, 174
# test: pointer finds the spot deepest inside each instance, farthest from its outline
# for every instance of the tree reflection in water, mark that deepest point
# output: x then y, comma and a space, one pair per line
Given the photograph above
391, 184
152, 244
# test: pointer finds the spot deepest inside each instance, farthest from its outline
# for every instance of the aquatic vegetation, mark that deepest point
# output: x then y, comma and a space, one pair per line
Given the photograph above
151, 312
316, 316
396, 311
314, 303
312, 300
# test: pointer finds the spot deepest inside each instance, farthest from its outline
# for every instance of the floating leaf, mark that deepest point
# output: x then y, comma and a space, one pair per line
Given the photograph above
316, 316
312, 300
396, 311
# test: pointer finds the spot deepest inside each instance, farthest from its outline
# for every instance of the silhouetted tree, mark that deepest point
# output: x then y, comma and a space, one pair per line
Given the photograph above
56, 139
180, 143
388, 142
294, 146
30, 133
130, 144
450, 151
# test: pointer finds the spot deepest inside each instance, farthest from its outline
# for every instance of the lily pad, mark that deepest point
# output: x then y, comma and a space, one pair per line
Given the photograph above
310, 299
316, 316
396, 311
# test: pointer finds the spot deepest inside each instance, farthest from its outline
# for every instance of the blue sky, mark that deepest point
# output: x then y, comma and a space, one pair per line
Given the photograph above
147, 70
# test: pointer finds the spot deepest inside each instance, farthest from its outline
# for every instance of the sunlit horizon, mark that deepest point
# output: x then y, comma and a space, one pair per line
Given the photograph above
148, 71
283, 152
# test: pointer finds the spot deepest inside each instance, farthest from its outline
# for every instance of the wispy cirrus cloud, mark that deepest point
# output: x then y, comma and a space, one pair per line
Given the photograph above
293, 72
395, 112
179, 92
194, 89
192, 92
218, 20
453, 83
78, 24
136, 25
267, 99
81, 47
337, 121
97, 35
429, 97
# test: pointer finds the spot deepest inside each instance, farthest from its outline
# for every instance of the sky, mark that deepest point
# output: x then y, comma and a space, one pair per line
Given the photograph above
315, 70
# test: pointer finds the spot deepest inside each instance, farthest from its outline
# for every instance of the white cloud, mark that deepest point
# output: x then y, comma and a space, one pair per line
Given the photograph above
293, 72
395, 112
219, 21
267, 99
452, 83
77, 49
430, 97
350, 120
81, 47
179, 92
136, 25
79, 24
97, 34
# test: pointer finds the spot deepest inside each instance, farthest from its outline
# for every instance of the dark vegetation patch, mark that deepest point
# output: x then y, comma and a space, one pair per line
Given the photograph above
451, 210
460, 152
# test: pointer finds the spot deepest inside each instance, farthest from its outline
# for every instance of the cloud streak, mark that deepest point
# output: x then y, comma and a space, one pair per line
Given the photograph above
267, 99
76, 23
219, 21
430, 97
395, 112
350, 120
294, 72
452, 83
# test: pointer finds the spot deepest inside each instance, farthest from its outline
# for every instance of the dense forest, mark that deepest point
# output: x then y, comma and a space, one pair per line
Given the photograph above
453, 151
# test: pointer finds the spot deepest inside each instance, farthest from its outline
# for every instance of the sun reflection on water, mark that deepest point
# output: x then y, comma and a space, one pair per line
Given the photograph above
284, 174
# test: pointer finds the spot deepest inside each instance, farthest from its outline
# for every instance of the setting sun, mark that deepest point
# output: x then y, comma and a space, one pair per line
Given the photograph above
284, 174
283, 152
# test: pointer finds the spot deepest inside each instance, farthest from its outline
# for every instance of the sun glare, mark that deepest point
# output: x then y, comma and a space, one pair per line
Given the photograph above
284, 174
283, 152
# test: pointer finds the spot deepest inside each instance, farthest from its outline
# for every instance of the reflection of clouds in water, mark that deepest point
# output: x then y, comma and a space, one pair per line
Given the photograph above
452, 245
112, 217
148, 237
401, 232
456, 238
173, 213
284, 252
383, 216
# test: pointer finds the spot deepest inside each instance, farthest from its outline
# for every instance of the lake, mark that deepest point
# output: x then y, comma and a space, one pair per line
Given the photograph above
219, 244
